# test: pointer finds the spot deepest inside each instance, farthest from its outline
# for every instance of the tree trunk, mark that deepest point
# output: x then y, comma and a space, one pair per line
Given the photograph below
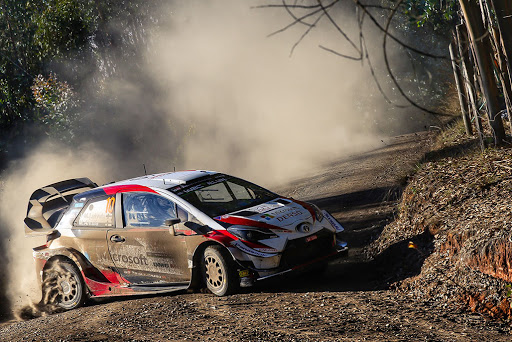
499, 54
467, 71
482, 50
459, 84
469, 79
503, 10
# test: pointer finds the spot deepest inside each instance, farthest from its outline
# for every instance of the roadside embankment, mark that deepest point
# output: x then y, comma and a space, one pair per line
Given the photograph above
451, 243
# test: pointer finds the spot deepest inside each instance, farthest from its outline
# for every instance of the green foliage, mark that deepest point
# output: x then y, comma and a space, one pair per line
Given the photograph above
56, 100
436, 12
63, 26
37, 35
508, 289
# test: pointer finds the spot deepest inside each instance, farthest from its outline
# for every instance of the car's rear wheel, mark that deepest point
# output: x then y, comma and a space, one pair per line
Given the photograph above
63, 286
219, 271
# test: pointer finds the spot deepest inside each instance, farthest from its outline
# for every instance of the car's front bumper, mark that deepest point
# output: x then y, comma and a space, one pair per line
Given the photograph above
341, 249
248, 277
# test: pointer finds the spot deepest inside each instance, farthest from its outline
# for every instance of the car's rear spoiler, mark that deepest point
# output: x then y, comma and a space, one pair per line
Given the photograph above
46, 204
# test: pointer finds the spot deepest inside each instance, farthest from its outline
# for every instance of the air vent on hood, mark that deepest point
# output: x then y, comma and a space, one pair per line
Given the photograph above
282, 201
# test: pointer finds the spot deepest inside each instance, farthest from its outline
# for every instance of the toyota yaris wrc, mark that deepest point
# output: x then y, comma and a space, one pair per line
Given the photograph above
171, 231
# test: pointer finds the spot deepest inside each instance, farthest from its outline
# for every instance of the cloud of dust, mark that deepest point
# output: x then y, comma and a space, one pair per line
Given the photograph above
256, 111
43, 167
213, 93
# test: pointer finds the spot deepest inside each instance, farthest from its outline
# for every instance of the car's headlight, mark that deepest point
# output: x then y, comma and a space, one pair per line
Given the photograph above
318, 213
252, 234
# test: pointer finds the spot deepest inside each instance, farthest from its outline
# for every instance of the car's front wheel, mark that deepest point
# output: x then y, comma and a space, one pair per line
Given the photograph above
63, 286
219, 271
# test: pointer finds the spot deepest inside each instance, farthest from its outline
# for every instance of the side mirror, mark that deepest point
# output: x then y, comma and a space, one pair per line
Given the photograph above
172, 222
198, 228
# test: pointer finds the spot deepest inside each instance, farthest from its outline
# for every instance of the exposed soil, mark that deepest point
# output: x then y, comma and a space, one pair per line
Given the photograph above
457, 213
350, 302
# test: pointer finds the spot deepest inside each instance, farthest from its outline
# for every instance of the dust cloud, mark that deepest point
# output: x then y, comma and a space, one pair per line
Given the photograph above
255, 111
214, 93
24, 177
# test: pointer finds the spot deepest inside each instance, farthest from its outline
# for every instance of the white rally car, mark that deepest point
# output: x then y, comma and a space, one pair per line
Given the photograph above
171, 231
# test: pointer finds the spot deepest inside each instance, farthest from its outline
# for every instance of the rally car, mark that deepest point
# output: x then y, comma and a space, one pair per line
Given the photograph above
168, 232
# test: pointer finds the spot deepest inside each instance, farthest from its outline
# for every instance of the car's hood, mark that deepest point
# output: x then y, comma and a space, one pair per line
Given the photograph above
278, 214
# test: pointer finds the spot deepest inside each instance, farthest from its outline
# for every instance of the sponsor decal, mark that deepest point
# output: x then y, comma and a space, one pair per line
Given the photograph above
243, 273
262, 208
283, 210
246, 249
311, 238
128, 259
185, 189
335, 224
267, 217
290, 215
267, 250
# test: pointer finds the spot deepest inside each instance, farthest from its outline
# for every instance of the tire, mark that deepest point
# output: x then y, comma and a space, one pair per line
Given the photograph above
219, 271
63, 286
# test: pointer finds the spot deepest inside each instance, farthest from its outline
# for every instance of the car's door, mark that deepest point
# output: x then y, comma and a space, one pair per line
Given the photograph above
89, 230
144, 250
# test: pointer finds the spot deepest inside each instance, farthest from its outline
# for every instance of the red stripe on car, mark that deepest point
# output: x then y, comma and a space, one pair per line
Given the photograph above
306, 206
111, 190
248, 222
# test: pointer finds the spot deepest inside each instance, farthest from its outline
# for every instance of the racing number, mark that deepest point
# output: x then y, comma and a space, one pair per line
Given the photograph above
110, 205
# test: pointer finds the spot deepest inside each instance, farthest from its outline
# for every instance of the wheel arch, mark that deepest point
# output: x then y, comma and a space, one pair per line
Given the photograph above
71, 256
197, 280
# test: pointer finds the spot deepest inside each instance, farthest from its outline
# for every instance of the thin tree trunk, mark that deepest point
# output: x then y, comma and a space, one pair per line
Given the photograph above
501, 68
467, 72
503, 11
482, 50
459, 84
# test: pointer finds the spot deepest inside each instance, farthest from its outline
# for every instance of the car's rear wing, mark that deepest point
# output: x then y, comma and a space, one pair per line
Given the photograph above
46, 204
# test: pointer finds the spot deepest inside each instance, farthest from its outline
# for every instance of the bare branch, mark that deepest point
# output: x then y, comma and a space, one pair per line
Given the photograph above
287, 6
391, 75
290, 12
299, 19
372, 18
335, 24
306, 33
372, 71
339, 54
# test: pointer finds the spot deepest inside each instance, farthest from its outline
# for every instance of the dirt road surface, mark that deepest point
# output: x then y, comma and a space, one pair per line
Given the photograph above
350, 302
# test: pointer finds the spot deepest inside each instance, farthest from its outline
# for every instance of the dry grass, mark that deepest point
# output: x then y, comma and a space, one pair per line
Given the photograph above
460, 197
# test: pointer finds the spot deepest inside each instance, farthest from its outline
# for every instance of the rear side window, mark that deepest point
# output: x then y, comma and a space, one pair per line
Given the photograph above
98, 212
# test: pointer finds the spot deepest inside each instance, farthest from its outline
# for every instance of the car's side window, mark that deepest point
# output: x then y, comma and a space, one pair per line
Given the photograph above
98, 212
142, 209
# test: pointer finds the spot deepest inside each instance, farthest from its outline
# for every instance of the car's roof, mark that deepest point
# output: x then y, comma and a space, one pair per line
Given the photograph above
164, 180
145, 183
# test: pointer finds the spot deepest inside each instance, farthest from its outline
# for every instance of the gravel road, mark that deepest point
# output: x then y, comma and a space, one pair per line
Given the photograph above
350, 302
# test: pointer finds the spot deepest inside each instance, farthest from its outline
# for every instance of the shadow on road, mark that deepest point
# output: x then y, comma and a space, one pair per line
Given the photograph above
364, 214
352, 273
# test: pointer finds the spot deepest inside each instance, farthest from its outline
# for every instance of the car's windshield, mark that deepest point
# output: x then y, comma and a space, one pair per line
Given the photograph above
221, 194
